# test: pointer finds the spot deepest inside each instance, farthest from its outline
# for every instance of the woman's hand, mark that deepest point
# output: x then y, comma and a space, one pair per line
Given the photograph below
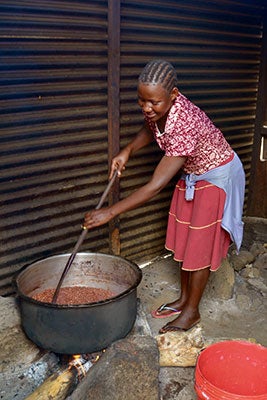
142, 139
119, 162
103, 215
97, 217
165, 170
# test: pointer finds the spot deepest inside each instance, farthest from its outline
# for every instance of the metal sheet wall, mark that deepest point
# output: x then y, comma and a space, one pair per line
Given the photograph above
215, 46
53, 128
54, 99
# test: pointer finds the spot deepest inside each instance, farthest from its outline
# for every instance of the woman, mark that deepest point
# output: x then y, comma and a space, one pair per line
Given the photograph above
206, 209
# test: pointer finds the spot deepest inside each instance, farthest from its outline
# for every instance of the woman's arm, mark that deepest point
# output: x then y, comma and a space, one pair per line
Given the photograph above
142, 139
165, 170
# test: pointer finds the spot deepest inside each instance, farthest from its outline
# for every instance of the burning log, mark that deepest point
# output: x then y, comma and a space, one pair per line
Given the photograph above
59, 385
56, 387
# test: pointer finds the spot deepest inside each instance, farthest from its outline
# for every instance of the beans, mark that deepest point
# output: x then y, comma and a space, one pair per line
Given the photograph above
74, 295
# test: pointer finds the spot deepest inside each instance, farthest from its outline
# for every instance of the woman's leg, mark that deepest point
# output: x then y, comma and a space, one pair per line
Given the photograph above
190, 312
184, 282
181, 301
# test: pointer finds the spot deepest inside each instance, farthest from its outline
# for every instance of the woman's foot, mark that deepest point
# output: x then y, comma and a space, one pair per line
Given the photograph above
168, 309
185, 321
165, 311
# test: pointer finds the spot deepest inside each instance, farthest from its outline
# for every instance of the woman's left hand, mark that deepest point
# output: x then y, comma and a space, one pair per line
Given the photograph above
97, 217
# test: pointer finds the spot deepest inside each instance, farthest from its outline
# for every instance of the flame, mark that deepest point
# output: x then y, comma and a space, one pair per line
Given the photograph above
96, 358
81, 364
77, 362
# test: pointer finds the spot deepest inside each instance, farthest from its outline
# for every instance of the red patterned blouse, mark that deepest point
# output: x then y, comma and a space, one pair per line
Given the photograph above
190, 133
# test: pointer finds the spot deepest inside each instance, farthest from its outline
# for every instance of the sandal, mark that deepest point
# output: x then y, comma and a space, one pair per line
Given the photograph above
173, 328
171, 311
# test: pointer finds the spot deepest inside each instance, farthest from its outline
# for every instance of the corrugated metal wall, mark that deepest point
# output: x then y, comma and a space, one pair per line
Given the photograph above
54, 98
53, 128
257, 196
215, 46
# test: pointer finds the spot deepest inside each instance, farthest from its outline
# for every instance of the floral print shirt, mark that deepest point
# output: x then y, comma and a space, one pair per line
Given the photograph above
190, 133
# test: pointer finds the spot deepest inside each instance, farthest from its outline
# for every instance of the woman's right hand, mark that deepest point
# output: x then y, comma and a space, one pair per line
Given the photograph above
142, 139
119, 162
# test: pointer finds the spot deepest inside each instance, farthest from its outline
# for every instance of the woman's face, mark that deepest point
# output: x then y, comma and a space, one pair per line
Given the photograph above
155, 101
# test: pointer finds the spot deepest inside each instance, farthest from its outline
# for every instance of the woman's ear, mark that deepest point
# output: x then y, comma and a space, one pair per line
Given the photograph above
174, 93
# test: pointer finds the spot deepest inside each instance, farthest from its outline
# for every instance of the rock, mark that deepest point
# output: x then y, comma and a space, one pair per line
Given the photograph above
255, 230
14, 344
22, 365
261, 262
259, 285
257, 249
22, 376
250, 272
239, 261
180, 348
9, 312
221, 282
141, 326
16, 347
127, 370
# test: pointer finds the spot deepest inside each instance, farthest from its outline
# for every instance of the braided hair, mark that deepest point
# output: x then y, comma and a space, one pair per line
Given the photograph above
159, 71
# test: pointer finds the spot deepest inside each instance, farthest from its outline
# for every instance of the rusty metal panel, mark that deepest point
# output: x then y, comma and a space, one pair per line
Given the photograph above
61, 64
114, 111
215, 46
257, 196
53, 128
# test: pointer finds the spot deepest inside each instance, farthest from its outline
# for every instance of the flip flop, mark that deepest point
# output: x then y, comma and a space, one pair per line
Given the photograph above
171, 328
171, 311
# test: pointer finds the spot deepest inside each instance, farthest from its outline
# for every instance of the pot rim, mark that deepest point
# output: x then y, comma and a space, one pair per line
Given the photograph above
83, 305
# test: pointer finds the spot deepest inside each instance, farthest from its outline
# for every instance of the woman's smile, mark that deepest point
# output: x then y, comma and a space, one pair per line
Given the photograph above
155, 101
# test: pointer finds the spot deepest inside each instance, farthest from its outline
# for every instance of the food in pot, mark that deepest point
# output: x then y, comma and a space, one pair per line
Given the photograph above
74, 295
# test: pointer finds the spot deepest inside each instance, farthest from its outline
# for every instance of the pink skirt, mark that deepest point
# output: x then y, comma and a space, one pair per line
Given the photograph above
194, 232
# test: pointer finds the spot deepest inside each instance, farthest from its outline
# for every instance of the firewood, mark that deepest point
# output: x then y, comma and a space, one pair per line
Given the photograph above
55, 387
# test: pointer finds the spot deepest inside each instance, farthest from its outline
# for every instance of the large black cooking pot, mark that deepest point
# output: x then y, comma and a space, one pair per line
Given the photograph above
85, 328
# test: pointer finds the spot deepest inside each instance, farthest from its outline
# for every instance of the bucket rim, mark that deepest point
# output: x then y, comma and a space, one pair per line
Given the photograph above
227, 395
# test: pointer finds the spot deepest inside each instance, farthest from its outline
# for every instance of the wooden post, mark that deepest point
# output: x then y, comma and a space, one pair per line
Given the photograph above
114, 109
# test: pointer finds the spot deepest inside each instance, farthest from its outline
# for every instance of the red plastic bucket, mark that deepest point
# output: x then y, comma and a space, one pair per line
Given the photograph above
232, 370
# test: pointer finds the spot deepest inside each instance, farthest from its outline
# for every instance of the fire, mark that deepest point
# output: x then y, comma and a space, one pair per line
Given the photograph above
83, 362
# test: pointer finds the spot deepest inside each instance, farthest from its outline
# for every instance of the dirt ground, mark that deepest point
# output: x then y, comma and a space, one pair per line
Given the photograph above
242, 316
